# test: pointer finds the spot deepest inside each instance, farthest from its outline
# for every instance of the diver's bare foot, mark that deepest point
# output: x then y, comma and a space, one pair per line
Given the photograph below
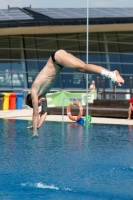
120, 80
128, 118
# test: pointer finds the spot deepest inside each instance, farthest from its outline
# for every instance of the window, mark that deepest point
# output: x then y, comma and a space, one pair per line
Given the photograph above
46, 45
31, 58
69, 42
82, 45
17, 62
5, 66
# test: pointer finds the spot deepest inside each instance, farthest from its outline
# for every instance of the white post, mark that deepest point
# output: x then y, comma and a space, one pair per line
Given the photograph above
87, 38
23, 64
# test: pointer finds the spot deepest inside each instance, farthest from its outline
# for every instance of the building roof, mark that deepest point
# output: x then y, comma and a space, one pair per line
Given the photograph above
17, 17
73, 13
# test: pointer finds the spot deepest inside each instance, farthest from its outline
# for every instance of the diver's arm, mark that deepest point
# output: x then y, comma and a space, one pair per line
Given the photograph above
43, 113
35, 111
43, 116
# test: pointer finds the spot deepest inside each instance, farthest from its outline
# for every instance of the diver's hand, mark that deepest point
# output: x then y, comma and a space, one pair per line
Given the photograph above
31, 127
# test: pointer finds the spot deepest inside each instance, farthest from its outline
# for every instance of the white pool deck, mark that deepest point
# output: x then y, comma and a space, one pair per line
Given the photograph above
26, 114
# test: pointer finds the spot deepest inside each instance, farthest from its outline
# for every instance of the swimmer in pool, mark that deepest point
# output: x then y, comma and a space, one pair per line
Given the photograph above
48, 75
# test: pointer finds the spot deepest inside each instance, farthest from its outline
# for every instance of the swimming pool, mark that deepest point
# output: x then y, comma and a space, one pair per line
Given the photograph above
66, 162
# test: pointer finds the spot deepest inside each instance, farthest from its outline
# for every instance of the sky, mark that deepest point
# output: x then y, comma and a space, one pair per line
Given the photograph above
65, 3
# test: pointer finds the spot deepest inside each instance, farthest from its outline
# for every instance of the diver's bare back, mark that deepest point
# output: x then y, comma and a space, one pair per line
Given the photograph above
46, 78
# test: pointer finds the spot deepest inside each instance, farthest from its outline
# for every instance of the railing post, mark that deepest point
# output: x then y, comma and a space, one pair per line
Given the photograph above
97, 86
114, 91
104, 84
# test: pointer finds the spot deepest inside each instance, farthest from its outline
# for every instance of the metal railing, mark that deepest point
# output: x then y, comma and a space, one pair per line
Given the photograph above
104, 93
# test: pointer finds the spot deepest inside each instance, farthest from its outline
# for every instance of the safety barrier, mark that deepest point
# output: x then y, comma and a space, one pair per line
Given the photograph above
70, 100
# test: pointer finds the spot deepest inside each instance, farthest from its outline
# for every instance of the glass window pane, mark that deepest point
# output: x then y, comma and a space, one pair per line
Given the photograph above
126, 48
111, 37
5, 66
41, 65
82, 45
127, 81
4, 54
17, 79
104, 57
112, 47
83, 56
73, 81
31, 77
58, 82
114, 57
101, 37
94, 50
46, 42
16, 53
29, 42
17, 62
125, 37
79, 80
102, 47
43, 54
93, 37
116, 66
32, 66
127, 69
30, 54
126, 58
46, 45
94, 58
5, 76
69, 42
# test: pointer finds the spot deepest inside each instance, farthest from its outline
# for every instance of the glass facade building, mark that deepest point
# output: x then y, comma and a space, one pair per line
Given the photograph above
23, 56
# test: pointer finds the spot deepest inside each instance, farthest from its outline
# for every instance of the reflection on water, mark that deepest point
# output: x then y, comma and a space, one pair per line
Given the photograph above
131, 133
77, 133
74, 127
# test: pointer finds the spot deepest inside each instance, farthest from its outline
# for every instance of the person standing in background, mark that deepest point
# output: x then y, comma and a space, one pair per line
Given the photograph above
92, 86
130, 109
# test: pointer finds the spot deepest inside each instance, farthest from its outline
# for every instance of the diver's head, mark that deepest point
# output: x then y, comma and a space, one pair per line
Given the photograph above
28, 100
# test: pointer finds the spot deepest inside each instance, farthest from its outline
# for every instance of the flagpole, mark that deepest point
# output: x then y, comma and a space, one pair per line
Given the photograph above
87, 48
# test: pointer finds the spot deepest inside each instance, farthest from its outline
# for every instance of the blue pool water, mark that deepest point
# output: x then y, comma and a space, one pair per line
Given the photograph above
66, 162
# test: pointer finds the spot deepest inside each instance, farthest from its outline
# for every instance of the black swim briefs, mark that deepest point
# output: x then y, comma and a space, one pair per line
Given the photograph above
54, 61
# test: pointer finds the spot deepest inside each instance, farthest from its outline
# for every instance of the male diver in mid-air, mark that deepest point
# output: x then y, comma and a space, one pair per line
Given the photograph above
48, 75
